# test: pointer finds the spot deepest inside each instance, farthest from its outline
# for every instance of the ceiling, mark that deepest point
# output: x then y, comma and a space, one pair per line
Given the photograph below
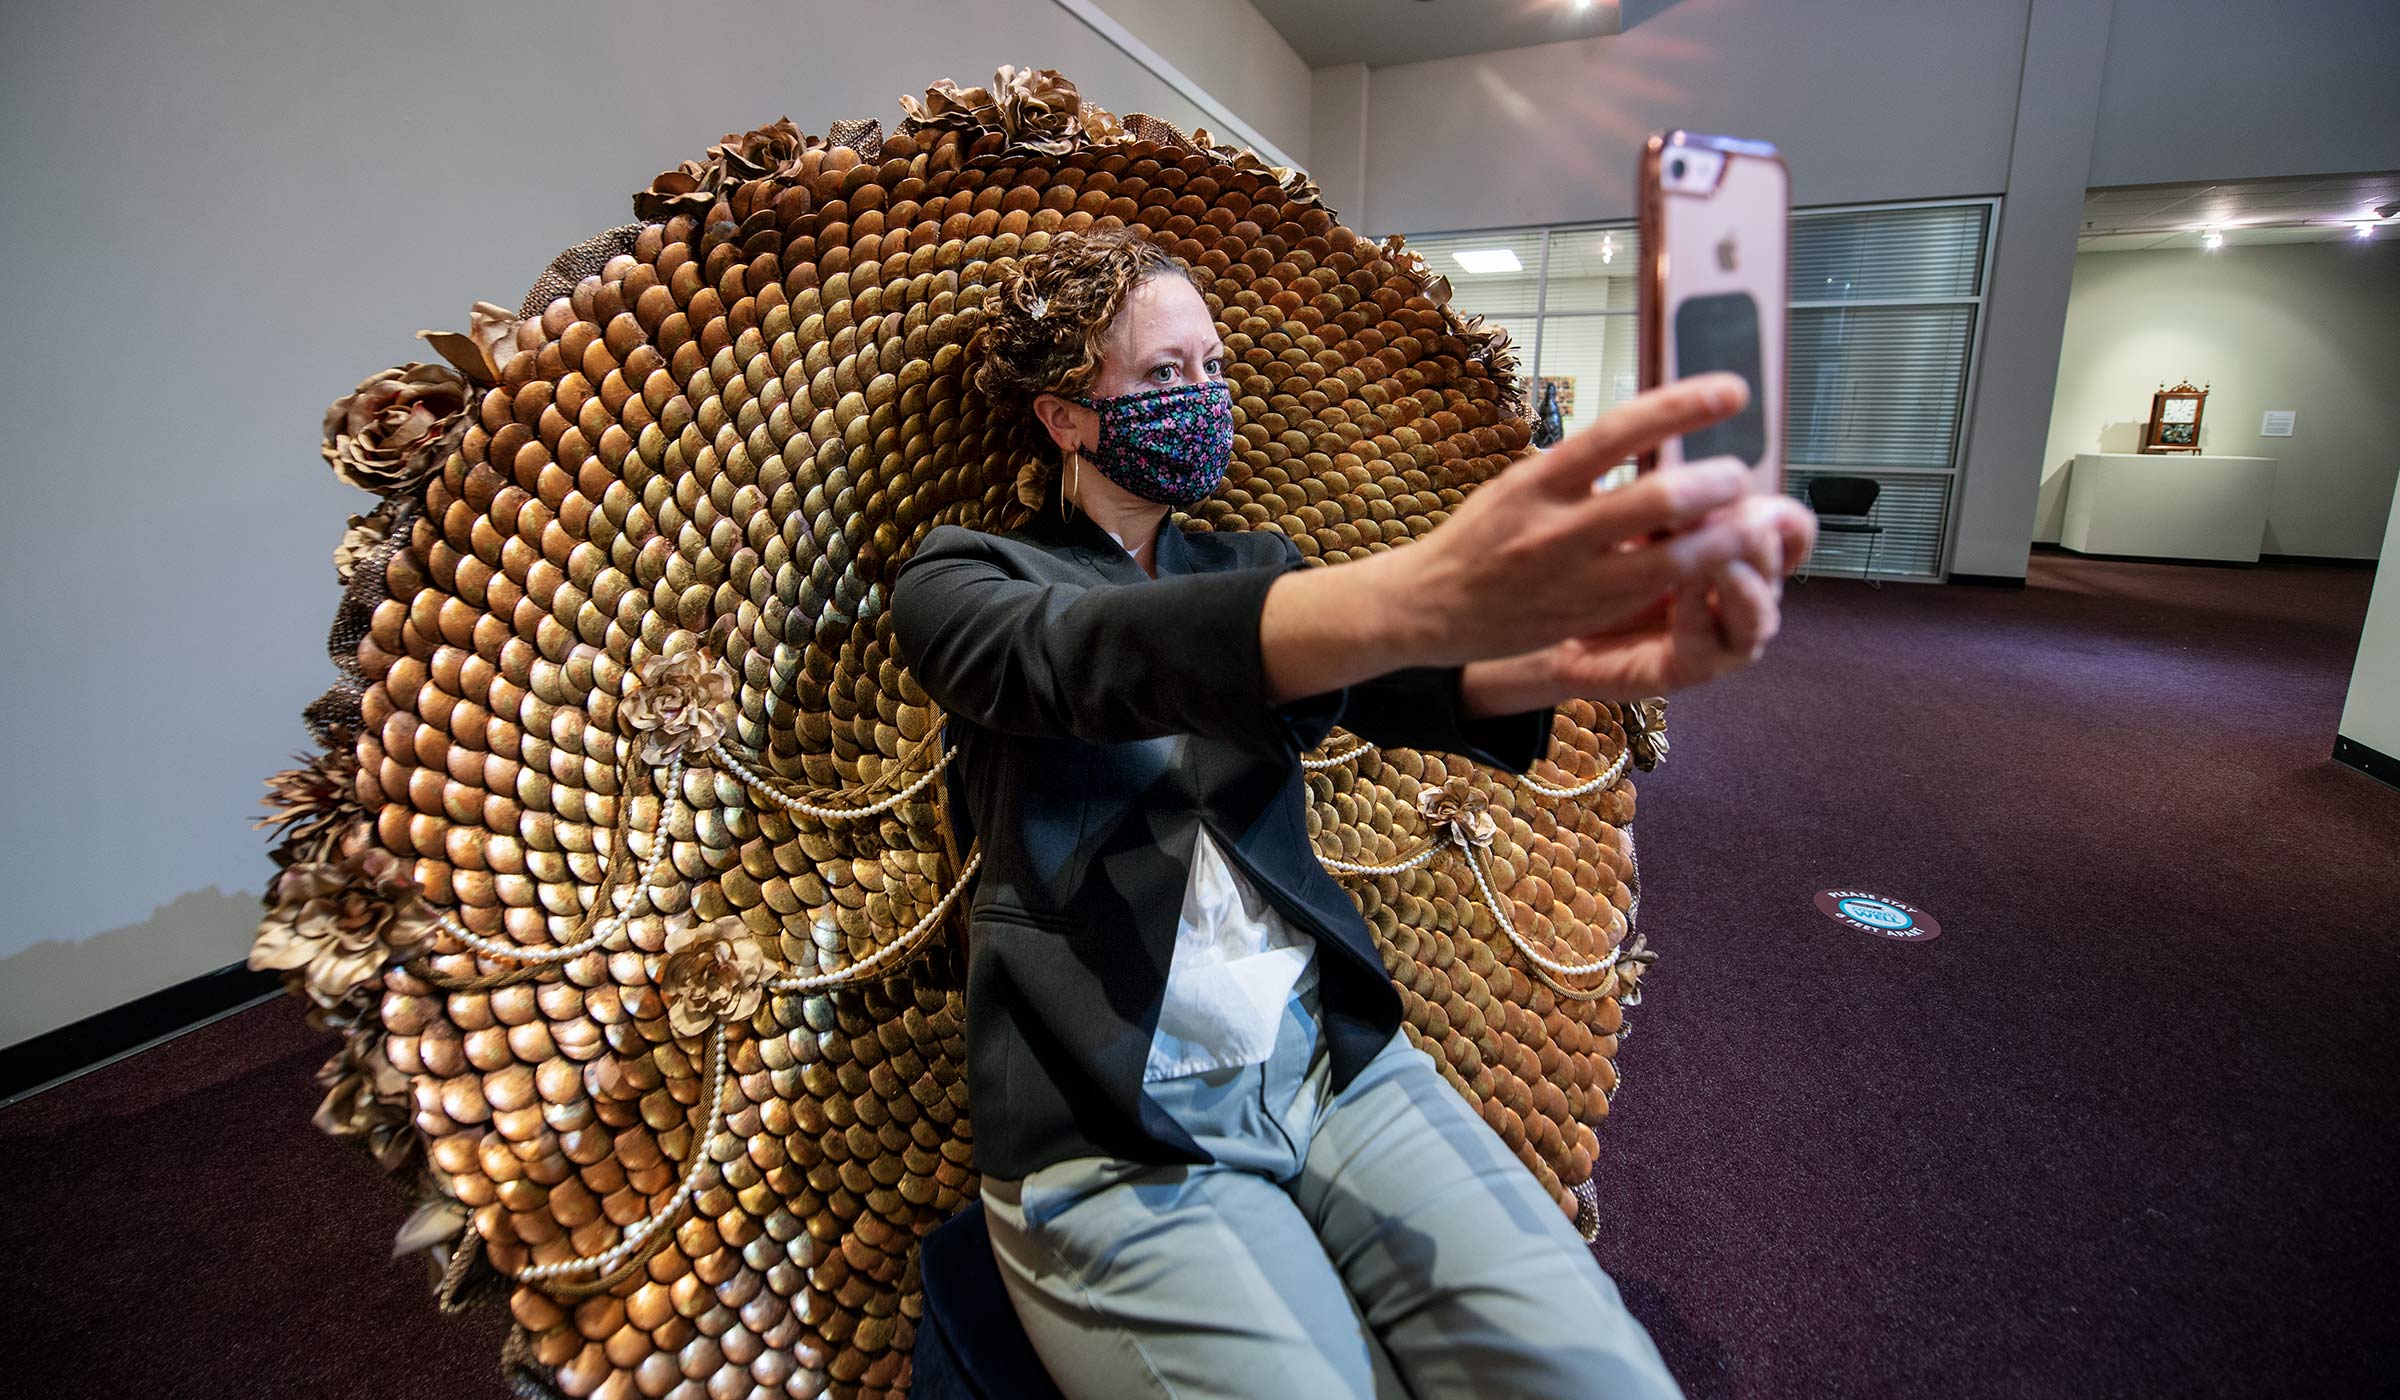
2298, 209
1380, 33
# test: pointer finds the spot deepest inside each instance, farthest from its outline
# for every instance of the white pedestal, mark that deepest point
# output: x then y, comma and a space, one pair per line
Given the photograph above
2168, 505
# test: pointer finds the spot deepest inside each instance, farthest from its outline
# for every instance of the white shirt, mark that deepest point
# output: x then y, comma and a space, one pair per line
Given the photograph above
1236, 962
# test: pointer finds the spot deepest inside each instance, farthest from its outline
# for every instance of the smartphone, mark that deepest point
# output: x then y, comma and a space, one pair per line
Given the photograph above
1716, 245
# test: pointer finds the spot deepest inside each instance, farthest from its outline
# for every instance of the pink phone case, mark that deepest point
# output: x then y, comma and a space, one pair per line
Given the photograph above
1704, 244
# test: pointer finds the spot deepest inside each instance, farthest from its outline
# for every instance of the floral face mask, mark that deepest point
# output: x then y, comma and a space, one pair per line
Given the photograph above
1166, 445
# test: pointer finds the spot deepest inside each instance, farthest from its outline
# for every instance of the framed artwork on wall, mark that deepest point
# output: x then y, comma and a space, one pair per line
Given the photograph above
2175, 419
1534, 388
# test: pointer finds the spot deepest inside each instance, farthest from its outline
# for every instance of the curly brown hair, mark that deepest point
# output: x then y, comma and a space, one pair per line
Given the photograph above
1041, 334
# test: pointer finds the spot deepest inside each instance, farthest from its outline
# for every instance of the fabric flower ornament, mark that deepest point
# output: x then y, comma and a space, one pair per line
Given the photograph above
711, 972
690, 188
1631, 964
337, 923
1296, 184
368, 1099
946, 104
680, 706
1099, 125
1039, 109
760, 152
1646, 732
365, 532
394, 429
490, 338
315, 802
1461, 805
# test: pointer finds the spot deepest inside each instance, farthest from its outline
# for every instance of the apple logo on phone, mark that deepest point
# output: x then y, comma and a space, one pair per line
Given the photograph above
1729, 253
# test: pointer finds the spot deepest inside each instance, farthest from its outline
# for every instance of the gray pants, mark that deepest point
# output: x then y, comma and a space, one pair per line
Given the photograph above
1381, 1243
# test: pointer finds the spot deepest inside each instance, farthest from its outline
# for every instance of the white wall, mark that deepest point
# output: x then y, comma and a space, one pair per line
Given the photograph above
2304, 326
1236, 56
1338, 140
2236, 89
225, 216
229, 214
1878, 100
2371, 714
2025, 307
1881, 100
1870, 100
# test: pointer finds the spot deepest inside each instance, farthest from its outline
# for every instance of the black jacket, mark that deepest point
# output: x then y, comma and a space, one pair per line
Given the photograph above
1102, 717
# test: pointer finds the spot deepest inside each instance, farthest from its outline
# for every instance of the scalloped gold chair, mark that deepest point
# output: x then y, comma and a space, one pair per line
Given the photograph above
622, 872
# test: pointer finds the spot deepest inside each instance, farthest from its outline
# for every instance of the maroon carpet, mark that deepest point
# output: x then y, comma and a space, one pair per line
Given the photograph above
2126, 1128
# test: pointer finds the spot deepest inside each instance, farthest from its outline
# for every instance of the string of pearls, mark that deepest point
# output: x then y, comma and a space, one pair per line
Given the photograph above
789, 803
1607, 777
1509, 926
859, 970
1338, 759
639, 1232
1343, 867
671, 792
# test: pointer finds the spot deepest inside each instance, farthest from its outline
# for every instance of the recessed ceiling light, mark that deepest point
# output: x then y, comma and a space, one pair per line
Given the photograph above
1608, 247
2212, 239
1482, 260
2364, 229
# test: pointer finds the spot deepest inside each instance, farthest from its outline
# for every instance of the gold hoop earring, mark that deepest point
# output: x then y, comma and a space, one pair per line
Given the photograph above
1075, 479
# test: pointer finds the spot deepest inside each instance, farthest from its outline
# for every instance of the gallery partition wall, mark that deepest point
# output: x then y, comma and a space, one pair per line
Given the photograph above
1887, 308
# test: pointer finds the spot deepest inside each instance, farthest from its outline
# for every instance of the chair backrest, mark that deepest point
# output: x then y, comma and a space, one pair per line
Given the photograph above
1843, 495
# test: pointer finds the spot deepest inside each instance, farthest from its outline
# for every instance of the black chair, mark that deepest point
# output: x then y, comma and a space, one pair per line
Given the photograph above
1845, 505
970, 1345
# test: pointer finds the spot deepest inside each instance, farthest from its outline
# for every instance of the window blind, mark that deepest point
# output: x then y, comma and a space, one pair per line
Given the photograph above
1926, 253
1914, 511
1882, 336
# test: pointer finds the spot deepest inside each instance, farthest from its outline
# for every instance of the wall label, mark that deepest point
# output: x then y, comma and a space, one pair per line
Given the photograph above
2277, 422
1880, 915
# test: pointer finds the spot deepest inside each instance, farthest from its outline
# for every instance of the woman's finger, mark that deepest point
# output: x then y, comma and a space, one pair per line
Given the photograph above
1747, 614
1760, 521
1633, 427
1697, 654
1796, 529
1686, 560
1668, 500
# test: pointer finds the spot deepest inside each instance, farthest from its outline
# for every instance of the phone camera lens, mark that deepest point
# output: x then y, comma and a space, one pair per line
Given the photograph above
1675, 168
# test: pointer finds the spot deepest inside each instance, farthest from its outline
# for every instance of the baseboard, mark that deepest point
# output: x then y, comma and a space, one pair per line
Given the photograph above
2160, 559
1988, 580
2324, 560
45, 1059
2382, 767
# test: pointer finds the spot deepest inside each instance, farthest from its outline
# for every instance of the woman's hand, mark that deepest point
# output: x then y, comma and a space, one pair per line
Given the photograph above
1581, 591
1692, 636
1535, 556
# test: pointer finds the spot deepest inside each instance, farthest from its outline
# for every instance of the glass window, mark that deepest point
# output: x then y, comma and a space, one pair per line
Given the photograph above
1876, 386
1924, 253
1885, 305
1594, 269
1593, 361
1497, 274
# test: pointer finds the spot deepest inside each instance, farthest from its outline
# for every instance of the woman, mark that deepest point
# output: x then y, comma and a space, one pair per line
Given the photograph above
1212, 1163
